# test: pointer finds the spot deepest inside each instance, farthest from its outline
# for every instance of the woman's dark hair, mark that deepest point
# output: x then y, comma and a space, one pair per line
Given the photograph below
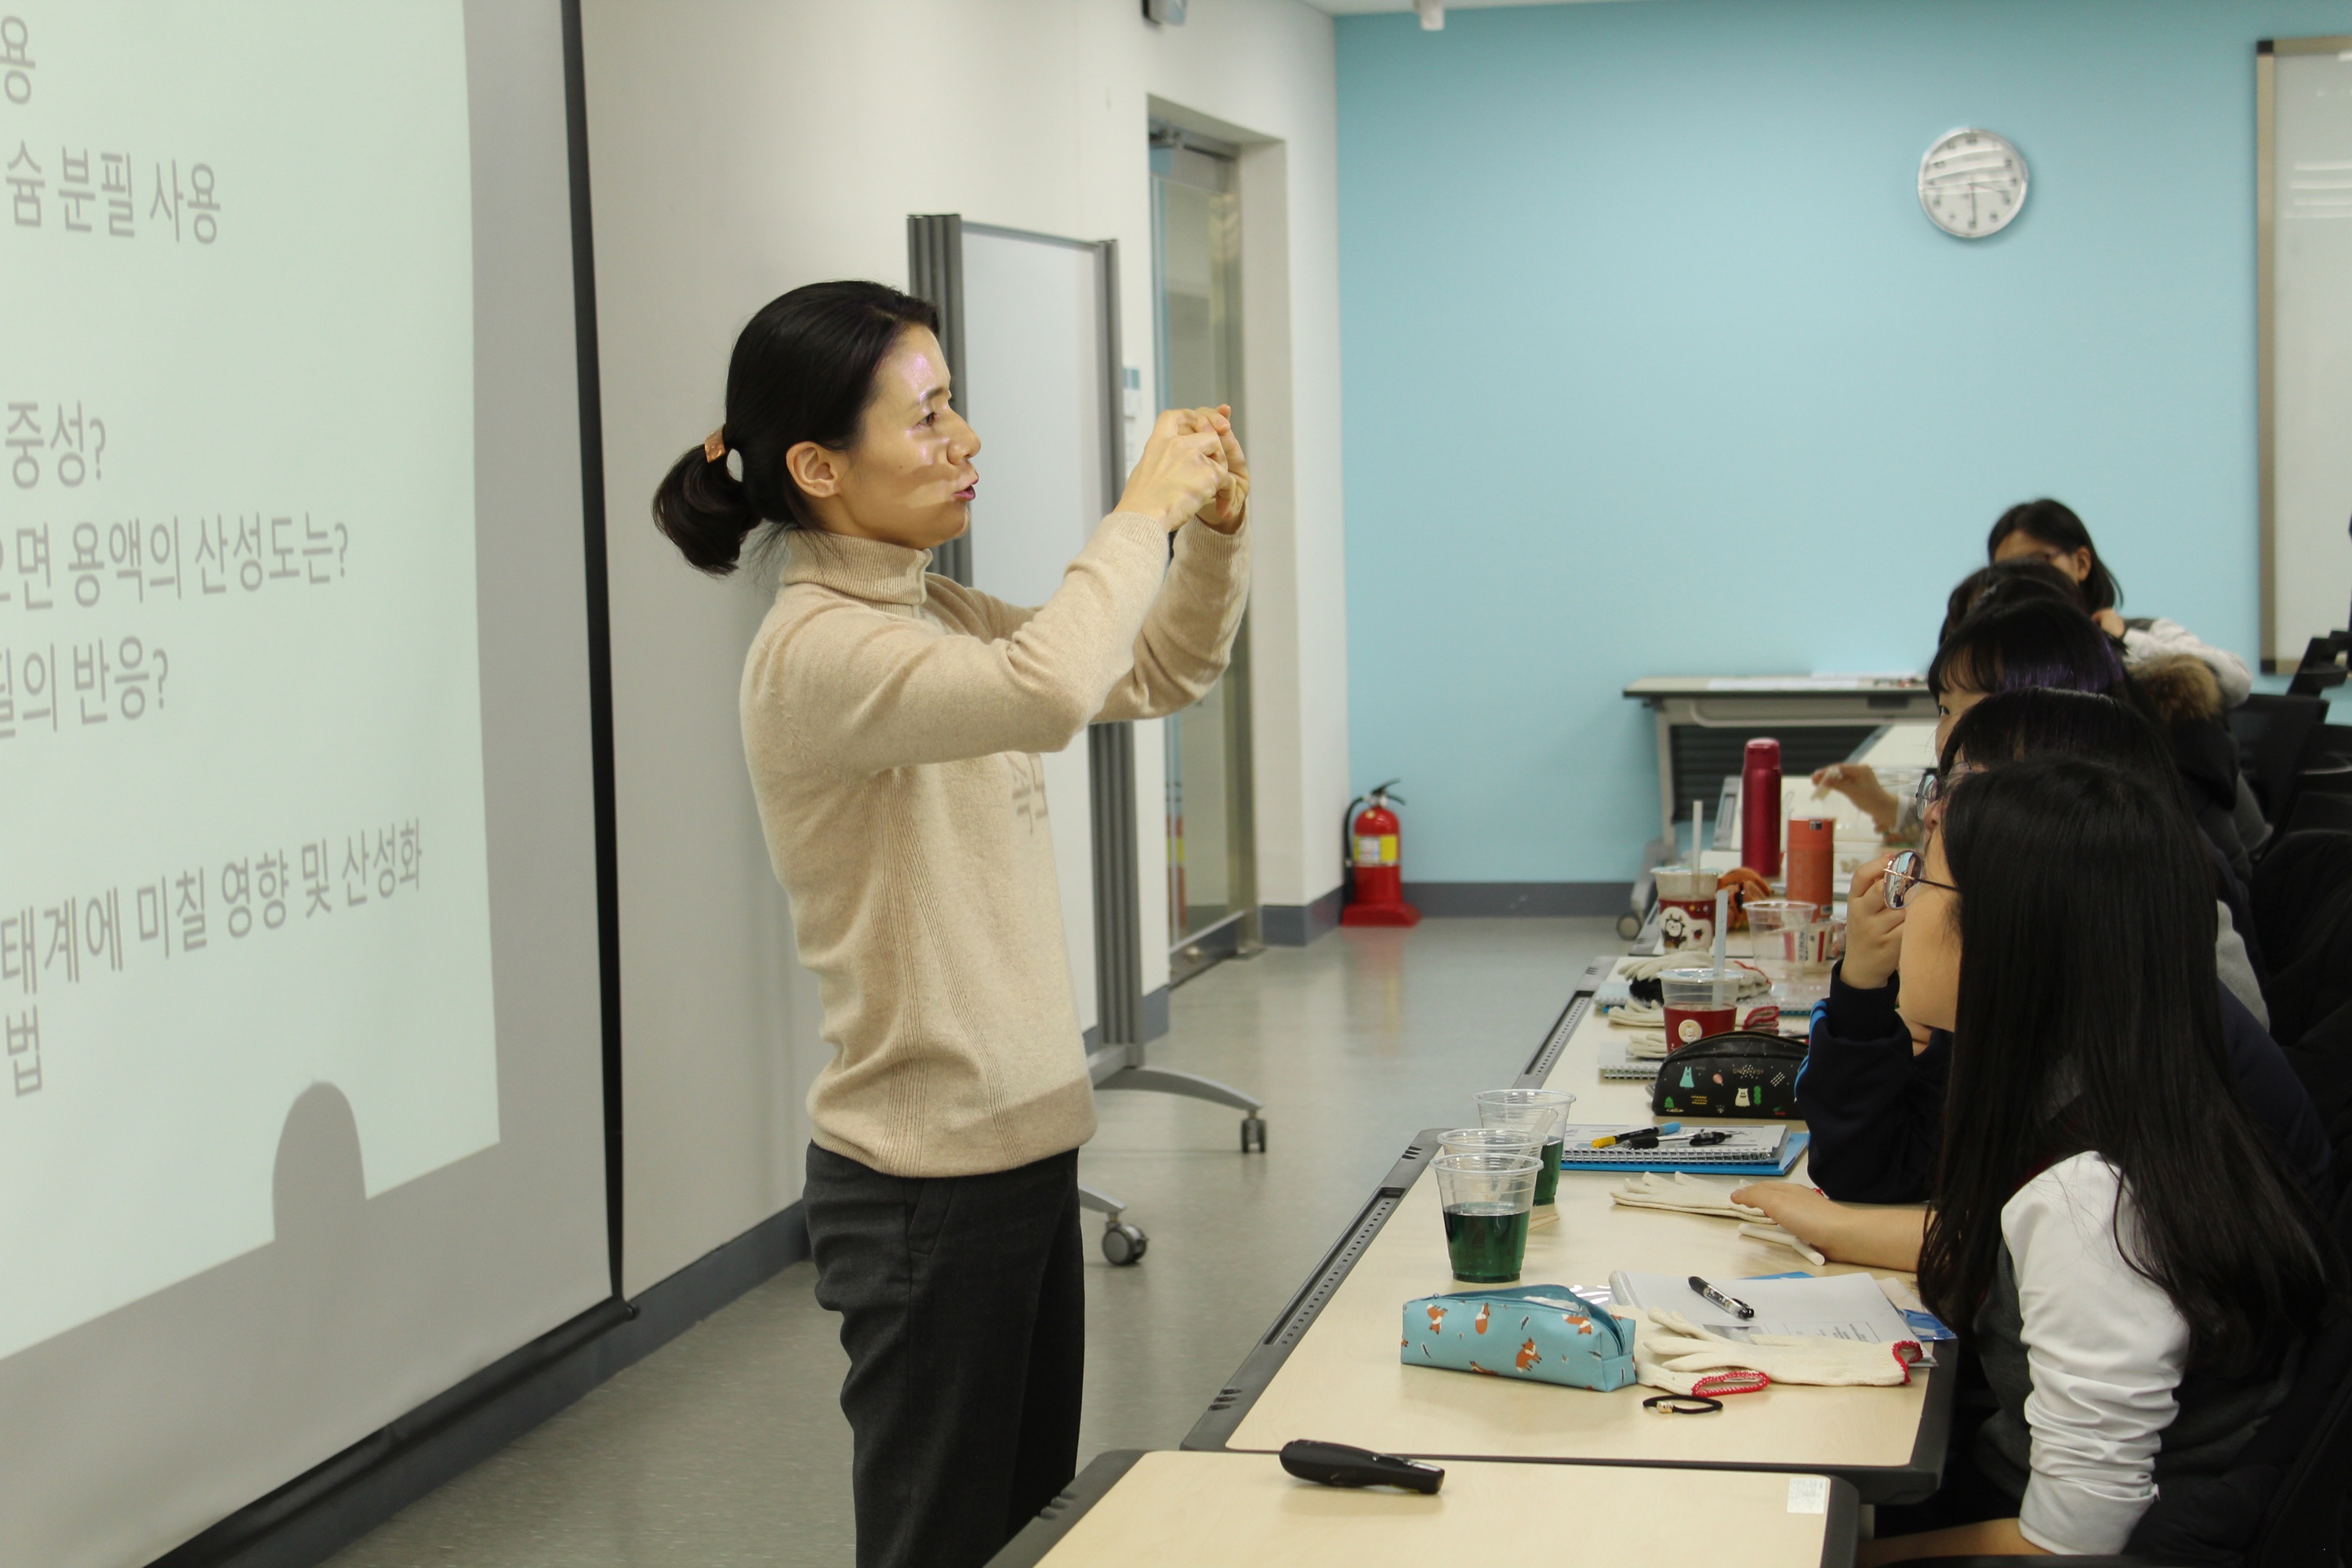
2090, 1020
2008, 582
2040, 642
2044, 720
2054, 523
802, 370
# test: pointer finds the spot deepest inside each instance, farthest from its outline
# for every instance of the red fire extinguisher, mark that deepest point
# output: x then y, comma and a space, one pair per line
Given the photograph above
1378, 897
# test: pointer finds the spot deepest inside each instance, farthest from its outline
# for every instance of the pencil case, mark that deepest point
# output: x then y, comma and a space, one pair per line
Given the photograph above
1738, 1074
1542, 1333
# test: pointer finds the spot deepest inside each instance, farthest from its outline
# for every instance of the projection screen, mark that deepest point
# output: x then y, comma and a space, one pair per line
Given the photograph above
302, 1116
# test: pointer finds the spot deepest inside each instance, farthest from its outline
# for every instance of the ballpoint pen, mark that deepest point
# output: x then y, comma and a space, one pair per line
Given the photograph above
1637, 1136
1731, 1304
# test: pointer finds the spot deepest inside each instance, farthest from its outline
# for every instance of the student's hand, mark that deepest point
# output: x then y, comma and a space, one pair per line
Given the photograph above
1181, 471
1231, 504
1858, 782
1873, 933
1870, 1236
2109, 622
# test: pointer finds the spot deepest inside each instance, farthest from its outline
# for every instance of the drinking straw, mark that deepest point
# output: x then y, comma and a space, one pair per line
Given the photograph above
1722, 928
1698, 827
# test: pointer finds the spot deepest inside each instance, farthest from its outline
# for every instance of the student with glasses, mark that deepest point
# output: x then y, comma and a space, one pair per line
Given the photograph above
1873, 1088
2115, 1235
2022, 640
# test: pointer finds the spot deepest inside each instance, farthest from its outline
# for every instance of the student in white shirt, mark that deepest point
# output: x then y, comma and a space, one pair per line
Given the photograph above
2115, 1239
2048, 531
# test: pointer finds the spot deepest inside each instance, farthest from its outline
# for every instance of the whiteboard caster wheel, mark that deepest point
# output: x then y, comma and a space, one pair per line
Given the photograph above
1123, 1244
1253, 1134
1629, 926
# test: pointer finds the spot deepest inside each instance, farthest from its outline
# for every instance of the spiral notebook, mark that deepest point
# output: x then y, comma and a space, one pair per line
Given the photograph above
1770, 1149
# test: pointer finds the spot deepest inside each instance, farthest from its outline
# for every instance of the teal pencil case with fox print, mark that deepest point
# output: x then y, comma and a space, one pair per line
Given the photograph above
1542, 1333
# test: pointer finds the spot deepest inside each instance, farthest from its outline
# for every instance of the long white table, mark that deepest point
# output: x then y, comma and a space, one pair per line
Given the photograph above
1131, 1510
1328, 1368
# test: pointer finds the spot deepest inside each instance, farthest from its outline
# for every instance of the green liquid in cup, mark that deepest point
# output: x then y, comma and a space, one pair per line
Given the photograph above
1487, 1242
1548, 1179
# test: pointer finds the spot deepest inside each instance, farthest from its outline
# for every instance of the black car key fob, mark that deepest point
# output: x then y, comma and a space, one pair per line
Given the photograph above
1338, 1465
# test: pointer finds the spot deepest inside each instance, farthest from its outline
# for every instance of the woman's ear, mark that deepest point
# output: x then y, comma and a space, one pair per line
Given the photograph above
2078, 565
816, 469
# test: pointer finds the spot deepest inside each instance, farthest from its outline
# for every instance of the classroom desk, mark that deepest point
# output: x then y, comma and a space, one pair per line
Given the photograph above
1704, 722
1328, 1368
1134, 1510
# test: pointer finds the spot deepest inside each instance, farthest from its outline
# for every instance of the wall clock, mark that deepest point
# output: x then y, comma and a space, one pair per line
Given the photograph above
1971, 183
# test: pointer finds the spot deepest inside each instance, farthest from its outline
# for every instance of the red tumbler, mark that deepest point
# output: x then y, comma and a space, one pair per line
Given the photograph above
1759, 808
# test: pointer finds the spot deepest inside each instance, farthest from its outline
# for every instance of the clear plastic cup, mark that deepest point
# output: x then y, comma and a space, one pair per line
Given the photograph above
1487, 1199
1776, 935
1698, 1003
1490, 1140
1541, 1114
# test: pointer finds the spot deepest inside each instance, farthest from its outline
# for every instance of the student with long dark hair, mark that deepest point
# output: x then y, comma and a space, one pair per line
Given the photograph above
2026, 639
2114, 1233
2049, 532
892, 718
1872, 1092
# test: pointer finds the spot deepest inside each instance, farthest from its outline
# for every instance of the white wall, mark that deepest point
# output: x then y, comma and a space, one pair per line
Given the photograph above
739, 148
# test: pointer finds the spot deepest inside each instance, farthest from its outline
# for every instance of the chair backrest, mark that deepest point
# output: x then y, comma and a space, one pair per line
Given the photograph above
2303, 1527
2272, 733
2301, 896
2326, 811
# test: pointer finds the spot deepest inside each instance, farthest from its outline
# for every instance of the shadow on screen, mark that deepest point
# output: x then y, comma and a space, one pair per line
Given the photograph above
318, 1327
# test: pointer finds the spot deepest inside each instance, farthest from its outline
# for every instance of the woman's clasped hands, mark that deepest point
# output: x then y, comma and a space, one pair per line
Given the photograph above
1192, 469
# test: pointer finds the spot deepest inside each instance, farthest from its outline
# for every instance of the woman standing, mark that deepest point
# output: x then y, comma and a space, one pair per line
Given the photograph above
892, 719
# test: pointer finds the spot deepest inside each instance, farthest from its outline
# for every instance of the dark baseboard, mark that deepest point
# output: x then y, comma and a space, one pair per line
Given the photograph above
317, 1514
1295, 925
1454, 900
1155, 1014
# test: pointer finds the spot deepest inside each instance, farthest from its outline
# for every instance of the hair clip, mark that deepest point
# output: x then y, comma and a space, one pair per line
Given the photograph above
714, 446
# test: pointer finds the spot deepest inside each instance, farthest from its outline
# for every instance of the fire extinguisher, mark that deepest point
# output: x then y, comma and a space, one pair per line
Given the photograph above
1378, 896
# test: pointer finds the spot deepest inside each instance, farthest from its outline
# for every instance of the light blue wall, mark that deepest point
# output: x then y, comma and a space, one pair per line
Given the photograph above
1653, 366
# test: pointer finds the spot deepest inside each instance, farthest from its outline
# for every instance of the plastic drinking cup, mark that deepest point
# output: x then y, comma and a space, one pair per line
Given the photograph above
1773, 930
1487, 1199
1490, 1140
1541, 1114
1699, 1002
1686, 908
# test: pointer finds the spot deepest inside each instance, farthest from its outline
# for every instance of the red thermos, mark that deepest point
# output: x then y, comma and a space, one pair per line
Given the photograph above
1759, 808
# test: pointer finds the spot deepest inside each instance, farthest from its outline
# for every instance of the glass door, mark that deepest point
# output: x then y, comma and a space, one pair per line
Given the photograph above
1196, 284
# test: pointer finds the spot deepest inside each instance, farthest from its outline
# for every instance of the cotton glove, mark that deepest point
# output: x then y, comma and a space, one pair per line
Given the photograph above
1683, 1193
1679, 1349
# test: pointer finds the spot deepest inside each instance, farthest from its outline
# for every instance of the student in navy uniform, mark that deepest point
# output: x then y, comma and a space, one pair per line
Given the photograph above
1874, 1094
2114, 1233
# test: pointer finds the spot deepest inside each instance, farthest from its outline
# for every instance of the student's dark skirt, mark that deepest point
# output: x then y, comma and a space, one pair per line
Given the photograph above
963, 1311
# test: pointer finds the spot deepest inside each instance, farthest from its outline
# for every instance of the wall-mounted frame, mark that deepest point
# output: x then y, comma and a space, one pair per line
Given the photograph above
2302, 97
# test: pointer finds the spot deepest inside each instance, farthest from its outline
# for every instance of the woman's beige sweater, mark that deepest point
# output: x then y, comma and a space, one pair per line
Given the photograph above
892, 721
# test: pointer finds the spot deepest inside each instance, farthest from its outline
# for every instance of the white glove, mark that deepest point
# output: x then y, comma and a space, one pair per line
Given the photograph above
1674, 1353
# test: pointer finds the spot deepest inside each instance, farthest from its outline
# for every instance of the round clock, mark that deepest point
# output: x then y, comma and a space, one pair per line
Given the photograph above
1971, 183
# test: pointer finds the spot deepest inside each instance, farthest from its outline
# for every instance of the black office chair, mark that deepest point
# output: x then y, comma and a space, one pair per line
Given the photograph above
2301, 896
2274, 733
2320, 811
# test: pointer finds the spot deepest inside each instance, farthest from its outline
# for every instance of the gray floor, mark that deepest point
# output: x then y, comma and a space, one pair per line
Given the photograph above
727, 1448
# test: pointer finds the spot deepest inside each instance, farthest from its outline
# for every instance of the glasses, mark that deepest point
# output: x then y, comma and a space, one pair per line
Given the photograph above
1904, 874
1934, 793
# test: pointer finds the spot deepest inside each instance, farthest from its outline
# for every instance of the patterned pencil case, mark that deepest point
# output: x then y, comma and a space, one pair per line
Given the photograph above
1539, 1331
